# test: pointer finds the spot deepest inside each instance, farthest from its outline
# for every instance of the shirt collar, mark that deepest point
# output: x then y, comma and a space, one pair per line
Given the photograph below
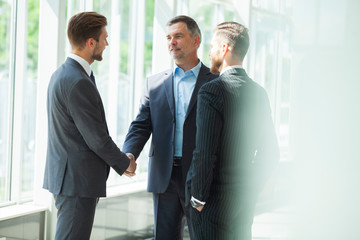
82, 62
195, 70
230, 67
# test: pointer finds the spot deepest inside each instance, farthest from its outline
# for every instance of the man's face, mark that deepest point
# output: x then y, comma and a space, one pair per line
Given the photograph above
181, 44
100, 45
215, 56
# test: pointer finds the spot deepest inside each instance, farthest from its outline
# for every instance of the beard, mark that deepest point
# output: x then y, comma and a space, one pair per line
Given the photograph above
97, 54
176, 54
216, 65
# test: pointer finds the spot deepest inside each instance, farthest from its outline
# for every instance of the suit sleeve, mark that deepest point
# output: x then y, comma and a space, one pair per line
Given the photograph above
86, 109
141, 128
209, 125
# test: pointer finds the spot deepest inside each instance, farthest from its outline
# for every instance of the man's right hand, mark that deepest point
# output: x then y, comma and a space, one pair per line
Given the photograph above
130, 171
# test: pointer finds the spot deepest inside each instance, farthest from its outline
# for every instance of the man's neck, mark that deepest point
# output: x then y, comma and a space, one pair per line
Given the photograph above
229, 62
83, 54
187, 64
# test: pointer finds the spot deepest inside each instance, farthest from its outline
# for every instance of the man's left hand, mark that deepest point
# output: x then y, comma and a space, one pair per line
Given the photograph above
200, 208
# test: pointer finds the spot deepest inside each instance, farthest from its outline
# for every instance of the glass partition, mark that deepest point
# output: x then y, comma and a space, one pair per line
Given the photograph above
5, 96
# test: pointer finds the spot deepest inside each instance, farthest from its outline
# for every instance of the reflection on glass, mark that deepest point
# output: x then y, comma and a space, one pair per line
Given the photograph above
5, 33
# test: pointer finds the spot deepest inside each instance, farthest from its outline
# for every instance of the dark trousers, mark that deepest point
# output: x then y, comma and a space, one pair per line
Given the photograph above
75, 217
170, 213
208, 230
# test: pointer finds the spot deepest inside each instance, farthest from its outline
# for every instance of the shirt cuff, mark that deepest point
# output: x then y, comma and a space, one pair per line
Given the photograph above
196, 200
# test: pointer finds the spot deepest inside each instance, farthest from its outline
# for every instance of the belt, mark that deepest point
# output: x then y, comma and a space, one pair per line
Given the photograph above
177, 161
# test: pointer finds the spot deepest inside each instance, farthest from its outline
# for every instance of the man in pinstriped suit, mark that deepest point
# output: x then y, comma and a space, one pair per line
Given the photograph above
236, 145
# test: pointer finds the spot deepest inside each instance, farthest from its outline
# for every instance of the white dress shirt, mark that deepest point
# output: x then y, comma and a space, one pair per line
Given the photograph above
82, 62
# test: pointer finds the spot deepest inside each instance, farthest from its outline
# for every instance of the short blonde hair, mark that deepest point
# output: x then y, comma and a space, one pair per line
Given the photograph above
235, 35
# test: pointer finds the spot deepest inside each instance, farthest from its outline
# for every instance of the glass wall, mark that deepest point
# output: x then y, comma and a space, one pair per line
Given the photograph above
18, 80
270, 61
6, 8
29, 94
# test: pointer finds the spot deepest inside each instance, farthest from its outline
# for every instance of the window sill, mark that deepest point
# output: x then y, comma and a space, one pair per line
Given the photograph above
20, 210
14, 211
120, 190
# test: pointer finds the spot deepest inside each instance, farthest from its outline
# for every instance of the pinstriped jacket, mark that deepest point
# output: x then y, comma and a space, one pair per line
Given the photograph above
236, 145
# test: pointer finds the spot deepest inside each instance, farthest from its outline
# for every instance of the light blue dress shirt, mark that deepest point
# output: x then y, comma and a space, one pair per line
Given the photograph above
184, 84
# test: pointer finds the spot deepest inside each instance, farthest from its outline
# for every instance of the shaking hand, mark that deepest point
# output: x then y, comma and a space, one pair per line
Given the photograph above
130, 171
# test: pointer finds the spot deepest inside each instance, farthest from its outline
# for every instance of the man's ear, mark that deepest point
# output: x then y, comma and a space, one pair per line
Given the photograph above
197, 40
90, 42
225, 48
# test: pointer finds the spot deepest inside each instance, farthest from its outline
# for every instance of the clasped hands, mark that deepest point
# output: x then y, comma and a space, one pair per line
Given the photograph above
130, 171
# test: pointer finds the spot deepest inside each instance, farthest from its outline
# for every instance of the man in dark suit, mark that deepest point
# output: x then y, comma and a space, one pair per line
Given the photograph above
236, 145
168, 113
80, 151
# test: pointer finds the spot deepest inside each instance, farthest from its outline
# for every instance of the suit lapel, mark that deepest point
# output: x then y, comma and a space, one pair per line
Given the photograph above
169, 90
202, 78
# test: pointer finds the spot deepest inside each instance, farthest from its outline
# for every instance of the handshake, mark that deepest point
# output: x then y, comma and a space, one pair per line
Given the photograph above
130, 171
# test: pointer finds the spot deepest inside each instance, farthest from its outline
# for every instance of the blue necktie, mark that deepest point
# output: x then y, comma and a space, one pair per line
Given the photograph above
92, 78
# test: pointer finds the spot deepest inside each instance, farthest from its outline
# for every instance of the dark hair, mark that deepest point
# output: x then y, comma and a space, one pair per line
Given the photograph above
83, 26
191, 25
234, 34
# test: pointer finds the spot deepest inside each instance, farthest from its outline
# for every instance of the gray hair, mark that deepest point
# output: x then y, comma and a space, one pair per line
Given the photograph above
191, 25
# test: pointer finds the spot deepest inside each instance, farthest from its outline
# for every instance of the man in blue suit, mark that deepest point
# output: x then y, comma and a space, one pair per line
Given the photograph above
80, 151
168, 113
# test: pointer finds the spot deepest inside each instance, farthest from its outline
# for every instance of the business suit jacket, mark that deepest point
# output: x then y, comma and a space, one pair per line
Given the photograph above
236, 149
157, 117
80, 150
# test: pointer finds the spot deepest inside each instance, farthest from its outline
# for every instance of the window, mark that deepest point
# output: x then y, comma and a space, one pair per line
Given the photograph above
270, 63
29, 87
208, 14
5, 96
279, 6
18, 70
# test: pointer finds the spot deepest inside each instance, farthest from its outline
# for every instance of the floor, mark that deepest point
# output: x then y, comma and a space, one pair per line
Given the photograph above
272, 225
130, 217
